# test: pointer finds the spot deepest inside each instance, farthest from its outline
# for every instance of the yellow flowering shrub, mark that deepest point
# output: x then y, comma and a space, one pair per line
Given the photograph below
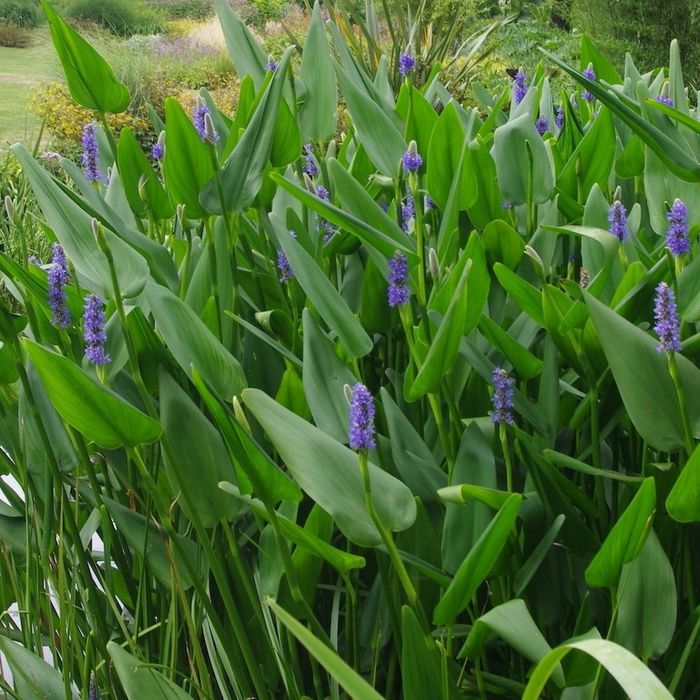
64, 118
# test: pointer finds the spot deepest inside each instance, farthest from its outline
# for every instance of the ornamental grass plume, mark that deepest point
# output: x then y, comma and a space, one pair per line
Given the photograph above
677, 240
361, 423
502, 397
58, 278
667, 325
398, 291
91, 155
94, 330
617, 217
519, 86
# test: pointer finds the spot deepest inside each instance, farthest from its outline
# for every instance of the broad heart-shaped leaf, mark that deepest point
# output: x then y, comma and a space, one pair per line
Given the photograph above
522, 160
651, 404
324, 375
247, 56
193, 344
421, 667
330, 474
413, 459
140, 680
190, 439
376, 131
354, 685
636, 679
683, 503
625, 540
242, 174
513, 623
326, 298
478, 563
646, 602
188, 164
133, 165
92, 409
90, 79
73, 228
33, 678
146, 539
443, 349
318, 113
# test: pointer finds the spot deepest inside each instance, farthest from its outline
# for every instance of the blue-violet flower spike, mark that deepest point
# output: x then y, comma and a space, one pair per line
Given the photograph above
91, 155
677, 240
617, 217
94, 330
157, 151
408, 211
502, 398
58, 278
199, 116
398, 292
407, 63
285, 269
519, 86
542, 126
361, 428
411, 160
310, 167
667, 325
559, 118
590, 74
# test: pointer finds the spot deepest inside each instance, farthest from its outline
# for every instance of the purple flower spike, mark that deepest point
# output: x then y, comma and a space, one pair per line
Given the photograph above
665, 100
361, 428
157, 151
285, 269
91, 155
199, 118
519, 86
398, 292
94, 330
271, 65
590, 74
559, 118
310, 167
58, 278
407, 62
542, 126
502, 398
677, 240
617, 217
408, 211
428, 203
411, 160
667, 325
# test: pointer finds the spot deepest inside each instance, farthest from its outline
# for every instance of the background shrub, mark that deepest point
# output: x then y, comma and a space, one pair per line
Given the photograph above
186, 9
21, 13
13, 36
122, 17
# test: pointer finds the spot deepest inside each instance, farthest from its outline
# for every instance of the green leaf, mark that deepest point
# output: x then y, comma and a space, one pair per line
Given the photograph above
651, 404
146, 539
525, 364
188, 164
513, 623
330, 474
647, 602
92, 409
140, 680
503, 244
73, 228
33, 678
478, 563
241, 176
90, 79
527, 297
445, 345
376, 131
522, 160
356, 686
625, 540
464, 493
683, 503
193, 344
634, 677
133, 165
326, 298
528, 569
247, 56
318, 112
190, 439
421, 665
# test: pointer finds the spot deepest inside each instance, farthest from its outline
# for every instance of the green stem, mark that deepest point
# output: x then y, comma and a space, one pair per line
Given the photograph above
680, 394
503, 434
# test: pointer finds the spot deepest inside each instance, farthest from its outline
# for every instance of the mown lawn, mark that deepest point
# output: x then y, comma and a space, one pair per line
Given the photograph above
21, 72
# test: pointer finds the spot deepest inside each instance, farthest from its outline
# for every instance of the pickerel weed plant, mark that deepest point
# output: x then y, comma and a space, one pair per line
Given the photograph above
409, 412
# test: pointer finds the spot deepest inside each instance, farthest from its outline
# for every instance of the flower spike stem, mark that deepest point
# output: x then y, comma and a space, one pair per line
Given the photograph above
387, 539
503, 435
